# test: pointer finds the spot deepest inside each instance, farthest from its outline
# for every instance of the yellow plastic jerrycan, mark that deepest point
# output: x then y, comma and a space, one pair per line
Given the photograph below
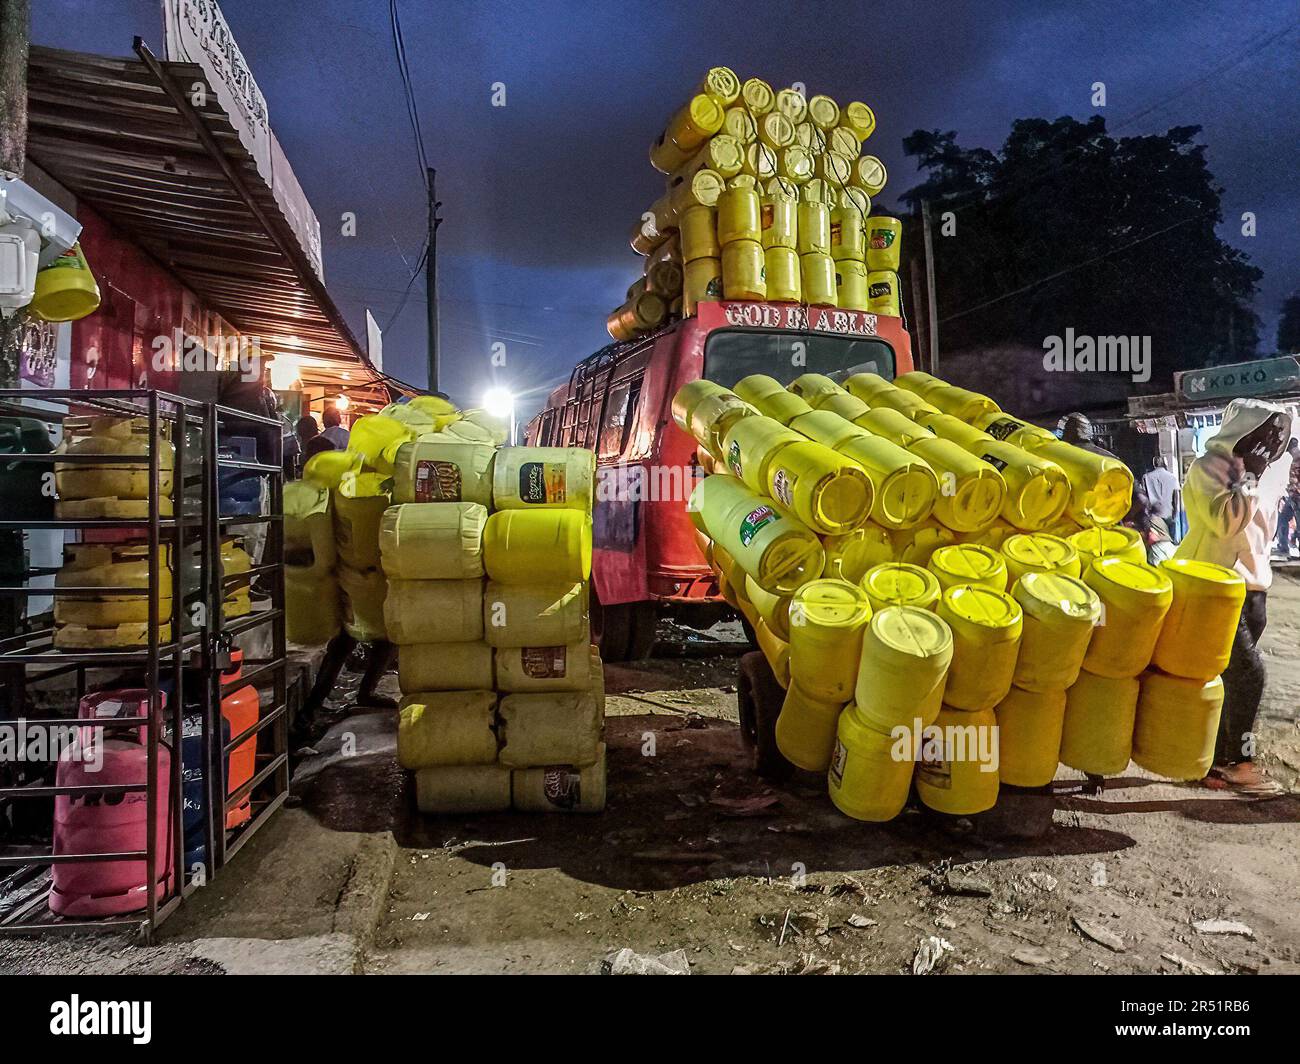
906, 652
774, 609
1101, 488
534, 615
947, 427
957, 772
828, 428
377, 439
986, 626
904, 402
1196, 638
1177, 725
900, 584
1116, 542
968, 563
1134, 600
1060, 613
357, 518
870, 774
446, 728
439, 467
544, 478
713, 417
916, 545
1004, 426
557, 668
1037, 490
445, 667
549, 728
65, 290
434, 611
750, 445
1099, 713
962, 403
992, 535
461, 789
363, 595
849, 407
850, 556
744, 269
919, 382
893, 425
1029, 739
770, 544
442, 411
308, 526
826, 622
419, 542
867, 386
524, 546
811, 386
805, 729
817, 277
827, 491
327, 469
905, 488
783, 406
688, 396
1038, 552
312, 605
971, 490
775, 649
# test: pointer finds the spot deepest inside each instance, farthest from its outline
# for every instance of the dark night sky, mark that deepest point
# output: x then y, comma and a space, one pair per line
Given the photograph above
540, 195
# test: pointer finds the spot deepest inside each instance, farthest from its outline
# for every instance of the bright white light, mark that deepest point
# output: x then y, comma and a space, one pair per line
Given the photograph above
285, 370
341, 403
499, 402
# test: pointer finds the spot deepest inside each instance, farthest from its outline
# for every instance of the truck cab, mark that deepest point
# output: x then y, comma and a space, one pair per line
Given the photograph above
618, 402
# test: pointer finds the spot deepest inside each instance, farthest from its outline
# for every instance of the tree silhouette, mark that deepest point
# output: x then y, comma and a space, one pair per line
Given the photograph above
1068, 227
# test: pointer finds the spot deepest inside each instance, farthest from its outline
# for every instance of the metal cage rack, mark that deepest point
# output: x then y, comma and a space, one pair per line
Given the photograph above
186, 650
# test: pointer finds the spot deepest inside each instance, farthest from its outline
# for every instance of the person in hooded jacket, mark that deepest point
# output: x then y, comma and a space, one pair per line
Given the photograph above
1231, 495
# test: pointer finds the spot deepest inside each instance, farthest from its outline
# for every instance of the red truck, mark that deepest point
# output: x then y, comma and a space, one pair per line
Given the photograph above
647, 561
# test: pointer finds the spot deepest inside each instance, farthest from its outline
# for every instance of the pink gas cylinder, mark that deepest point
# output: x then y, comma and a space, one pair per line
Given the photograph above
241, 708
93, 823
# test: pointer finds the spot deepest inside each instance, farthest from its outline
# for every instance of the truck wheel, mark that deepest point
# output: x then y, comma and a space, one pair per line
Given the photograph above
610, 628
642, 628
759, 697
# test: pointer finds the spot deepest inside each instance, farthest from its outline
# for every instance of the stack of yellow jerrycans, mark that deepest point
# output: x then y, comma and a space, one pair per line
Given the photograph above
767, 197
945, 594
487, 552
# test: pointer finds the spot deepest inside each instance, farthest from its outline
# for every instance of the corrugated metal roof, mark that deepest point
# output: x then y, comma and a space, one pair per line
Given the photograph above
110, 132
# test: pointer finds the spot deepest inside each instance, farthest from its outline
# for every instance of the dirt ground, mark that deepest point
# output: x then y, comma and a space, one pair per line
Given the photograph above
694, 853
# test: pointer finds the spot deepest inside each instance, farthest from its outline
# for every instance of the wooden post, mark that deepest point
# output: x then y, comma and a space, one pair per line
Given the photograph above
15, 23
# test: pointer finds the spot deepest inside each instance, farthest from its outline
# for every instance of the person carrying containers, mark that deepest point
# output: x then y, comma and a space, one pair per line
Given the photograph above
1232, 494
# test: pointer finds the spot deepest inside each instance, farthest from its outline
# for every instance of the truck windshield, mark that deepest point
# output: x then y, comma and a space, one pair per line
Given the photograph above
730, 354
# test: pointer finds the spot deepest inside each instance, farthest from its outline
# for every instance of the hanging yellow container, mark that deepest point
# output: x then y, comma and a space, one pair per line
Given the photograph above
1060, 613
958, 773
867, 779
869, 174
1177, 725
739, 216
557, 668
560, 788
462, 789
433, 611
445, 667
363, 595
782, 275
771, 545
971, 491
758, 96
1197, 635
848, 238
883, 293
775, 649
1116, 542
1101, 488
446, 728
884, 240
916, 545
1038, 552
780, 225
418, 542
1029, 736
814, 229
518, 545
308, 527
744, 270
850, 556
817, 276
774, 609
858, 117
1134, 600
906, 652
986, 627
701, 283
825, 490
851, 284
690, 395
905, 488
313, 610
750, 445
549, 728
534, 615
805, 729
968, 563
356, 528
826, 622
1099, 715
900, 584
377, 439
65, 290
699, 234
543, 478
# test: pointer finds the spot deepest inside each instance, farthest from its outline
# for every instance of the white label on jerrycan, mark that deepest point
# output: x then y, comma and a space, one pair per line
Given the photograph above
542, 482
437, 481
562, 786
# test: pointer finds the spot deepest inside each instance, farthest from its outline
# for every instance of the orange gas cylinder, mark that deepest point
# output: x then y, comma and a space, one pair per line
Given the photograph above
242, 710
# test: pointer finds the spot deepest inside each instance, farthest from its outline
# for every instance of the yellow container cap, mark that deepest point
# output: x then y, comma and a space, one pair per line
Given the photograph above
1039, 551
1049, 595
969, 563
824, 112
758, 96
870, 174
722, 83
779, 188
1194, 577
1104, 542
705, 113
900, 584
976, 606
795, 164
775, 130
791, 104
858, 117
912, 631
1121, 580
830, 604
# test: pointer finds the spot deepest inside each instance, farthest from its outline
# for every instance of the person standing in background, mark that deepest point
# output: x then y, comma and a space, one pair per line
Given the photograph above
1290, 509
1232, 494
334, 430
1163, 493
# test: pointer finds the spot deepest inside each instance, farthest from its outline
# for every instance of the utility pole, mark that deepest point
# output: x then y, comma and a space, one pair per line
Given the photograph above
15, 23
932, 330
431, 280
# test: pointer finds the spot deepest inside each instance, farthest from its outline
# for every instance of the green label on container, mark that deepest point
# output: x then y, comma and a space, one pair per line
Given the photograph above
754, 521
881, 239
733, 458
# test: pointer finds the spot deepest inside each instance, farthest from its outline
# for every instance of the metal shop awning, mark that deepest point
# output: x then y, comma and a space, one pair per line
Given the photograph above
124, 136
